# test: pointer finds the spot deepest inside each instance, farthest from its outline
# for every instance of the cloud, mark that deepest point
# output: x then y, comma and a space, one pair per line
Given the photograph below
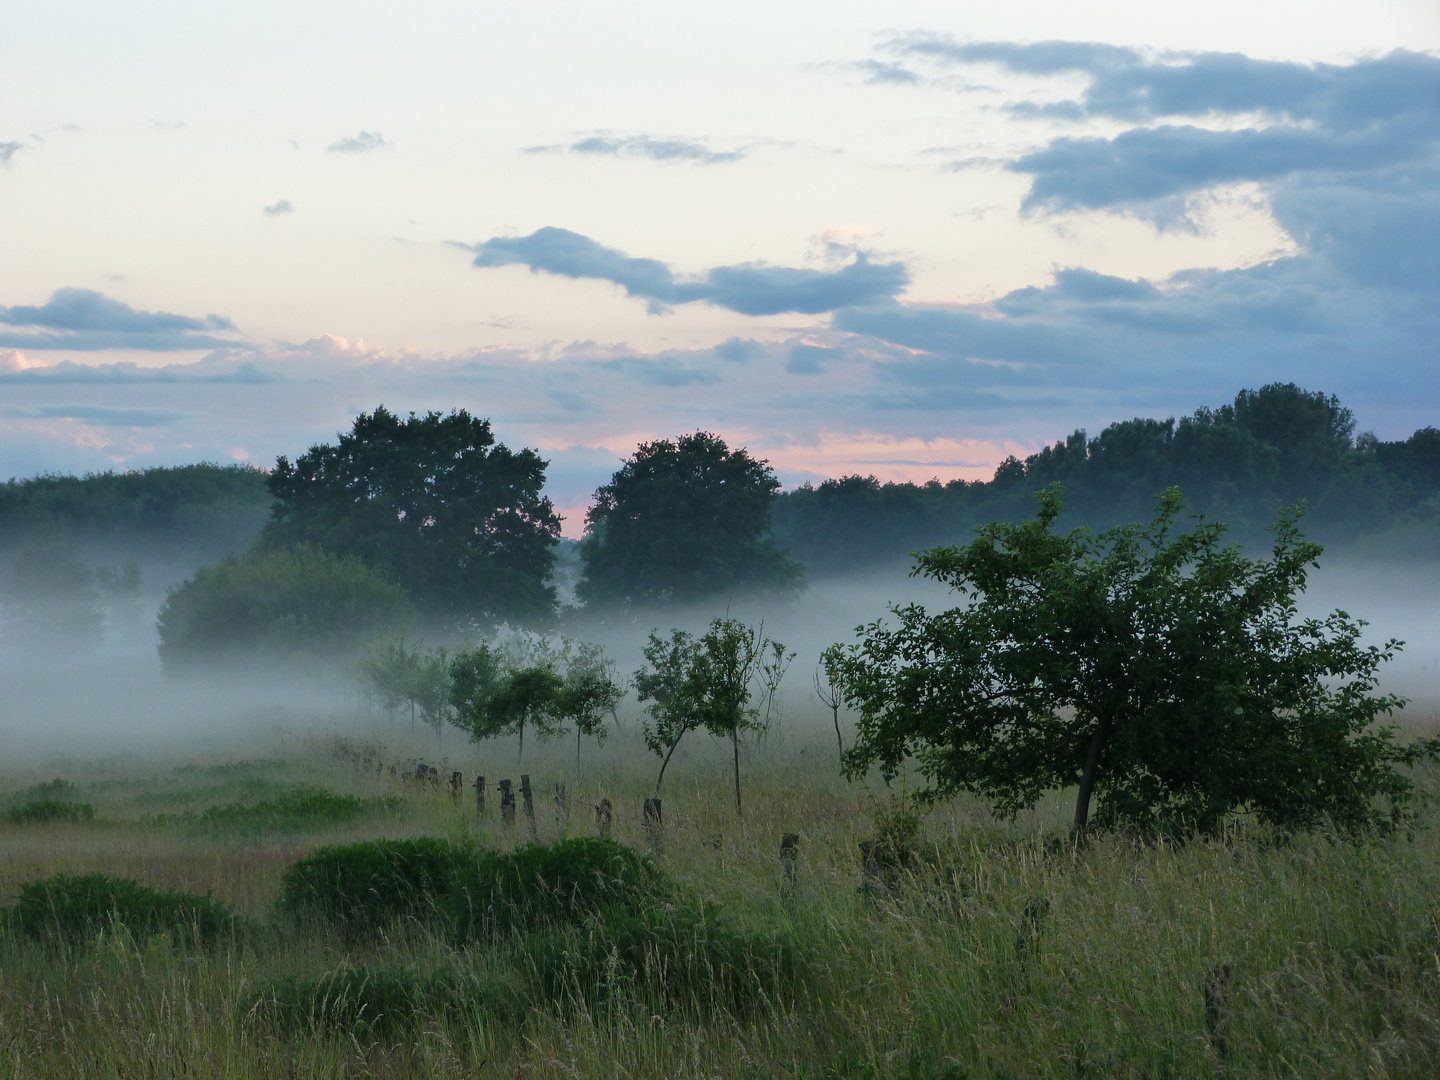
100, 415
1261, 121
881, 72
9, 150
667, 371
738, 350
746, 288
218, 370
362, 143
86, 320
803, 359
654, 148
277, 208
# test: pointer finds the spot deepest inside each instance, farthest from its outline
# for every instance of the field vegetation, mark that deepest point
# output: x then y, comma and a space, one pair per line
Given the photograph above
957, 944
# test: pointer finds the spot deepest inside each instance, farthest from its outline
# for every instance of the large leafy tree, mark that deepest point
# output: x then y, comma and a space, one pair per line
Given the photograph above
1165, 675
684, 519
435, 503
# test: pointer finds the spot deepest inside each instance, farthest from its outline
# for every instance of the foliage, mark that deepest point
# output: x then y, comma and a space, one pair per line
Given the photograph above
291, 811
708, 682
459, 889
668, 684
1166, 674
278, 604
51, 595
187, 513
417, 677
1278, 444
683, 520
74, 907
383, 1001
436, 504
39, 811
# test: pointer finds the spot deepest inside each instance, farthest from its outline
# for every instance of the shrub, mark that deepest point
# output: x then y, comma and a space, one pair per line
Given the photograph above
74, 907
280, 606
378, 1001
301, 808
52, 789
43, 810
464, 891
364, 886
685, 957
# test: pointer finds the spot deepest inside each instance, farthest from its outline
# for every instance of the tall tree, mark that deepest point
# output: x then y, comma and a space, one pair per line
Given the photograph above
667, 682
434, 502
1165, 675
684, 519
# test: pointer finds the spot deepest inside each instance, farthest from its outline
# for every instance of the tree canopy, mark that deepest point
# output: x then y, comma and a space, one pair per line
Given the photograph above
683, 519
436, 504
1165, 674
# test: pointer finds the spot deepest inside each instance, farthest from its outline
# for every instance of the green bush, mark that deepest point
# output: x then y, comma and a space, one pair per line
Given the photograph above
381, 1001
685, 957
43, 810
463, 891
293, 810
278, 605
51, 789
74, 907
368, 885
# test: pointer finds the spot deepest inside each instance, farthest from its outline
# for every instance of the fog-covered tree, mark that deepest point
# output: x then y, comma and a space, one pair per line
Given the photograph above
1160, 672
282, 604
51, 596
684, 519
458, 520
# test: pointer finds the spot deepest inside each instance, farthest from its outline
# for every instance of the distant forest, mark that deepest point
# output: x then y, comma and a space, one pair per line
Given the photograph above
1234, 463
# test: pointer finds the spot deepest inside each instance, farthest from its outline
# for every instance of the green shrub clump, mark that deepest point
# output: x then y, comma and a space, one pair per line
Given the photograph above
297, 809
75, 907
464, 891
383, 1001
43, 810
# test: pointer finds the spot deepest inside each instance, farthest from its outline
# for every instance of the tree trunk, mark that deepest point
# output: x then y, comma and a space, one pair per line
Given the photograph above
661, 777
521, 756
839, 742
1087, 778
735, 743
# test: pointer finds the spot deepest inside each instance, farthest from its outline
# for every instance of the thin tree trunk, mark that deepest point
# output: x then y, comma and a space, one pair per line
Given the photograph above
735, 744
661, 777
1087, 778
839, 742
520, 757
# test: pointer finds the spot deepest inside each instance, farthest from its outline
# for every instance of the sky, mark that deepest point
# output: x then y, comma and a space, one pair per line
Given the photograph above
900, 239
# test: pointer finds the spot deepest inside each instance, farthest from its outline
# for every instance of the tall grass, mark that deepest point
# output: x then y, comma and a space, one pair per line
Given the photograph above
995, 951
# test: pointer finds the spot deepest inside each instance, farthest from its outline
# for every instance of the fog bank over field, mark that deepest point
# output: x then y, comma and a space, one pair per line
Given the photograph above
110, 700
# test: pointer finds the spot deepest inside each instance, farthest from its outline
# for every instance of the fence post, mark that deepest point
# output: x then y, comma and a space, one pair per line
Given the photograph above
603, 815
480, 796
457, 784
562, 809
789, 857
529, 797
507, 802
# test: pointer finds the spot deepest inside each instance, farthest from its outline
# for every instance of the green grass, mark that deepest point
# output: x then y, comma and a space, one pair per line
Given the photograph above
986, 949
292, 811
46, 810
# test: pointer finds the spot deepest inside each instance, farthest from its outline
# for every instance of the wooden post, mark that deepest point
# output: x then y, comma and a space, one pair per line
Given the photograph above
789, 857
603, 815
422, 772
529, 797
561, 808
457, 784
507, 802
480, 796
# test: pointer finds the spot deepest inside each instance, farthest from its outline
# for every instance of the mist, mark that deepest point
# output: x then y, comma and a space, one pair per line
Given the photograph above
108, 702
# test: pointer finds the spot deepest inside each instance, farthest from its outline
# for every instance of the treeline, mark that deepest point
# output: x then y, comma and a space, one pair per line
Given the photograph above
1236, 464
187, 514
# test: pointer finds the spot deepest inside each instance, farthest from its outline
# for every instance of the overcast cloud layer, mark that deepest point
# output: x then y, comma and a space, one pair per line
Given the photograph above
902, 253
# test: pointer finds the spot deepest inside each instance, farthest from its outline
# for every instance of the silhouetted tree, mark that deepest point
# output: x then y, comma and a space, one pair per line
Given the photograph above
684, 519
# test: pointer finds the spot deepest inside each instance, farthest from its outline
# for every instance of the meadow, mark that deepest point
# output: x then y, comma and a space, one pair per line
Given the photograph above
968, 947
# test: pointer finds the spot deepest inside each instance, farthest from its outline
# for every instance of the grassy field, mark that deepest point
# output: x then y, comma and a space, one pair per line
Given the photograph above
997, 950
